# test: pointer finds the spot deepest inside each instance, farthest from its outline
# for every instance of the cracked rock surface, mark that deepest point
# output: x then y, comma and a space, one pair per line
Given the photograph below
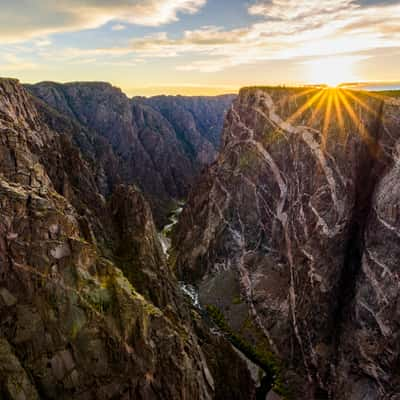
89, 308
293, 233
160, 143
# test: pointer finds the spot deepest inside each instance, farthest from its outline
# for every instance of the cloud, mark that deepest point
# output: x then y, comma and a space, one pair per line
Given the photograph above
11, 62
42, 42
376, 2
290, 30
287, 30
290, 10
24, 19
206, 39
118, 27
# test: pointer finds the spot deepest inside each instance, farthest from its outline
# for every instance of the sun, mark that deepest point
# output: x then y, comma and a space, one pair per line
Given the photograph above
331, 71
324, 108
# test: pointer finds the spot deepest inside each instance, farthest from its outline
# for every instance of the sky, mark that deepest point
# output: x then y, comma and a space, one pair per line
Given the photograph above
149, 47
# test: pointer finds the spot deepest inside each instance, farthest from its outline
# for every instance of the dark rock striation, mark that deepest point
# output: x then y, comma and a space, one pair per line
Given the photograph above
159, 144
293, 234
197, 122
292, 237
89, 308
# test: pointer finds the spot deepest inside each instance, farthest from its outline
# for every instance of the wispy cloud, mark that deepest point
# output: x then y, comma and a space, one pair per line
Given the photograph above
118, 27
289, 35
11, 62
289, 29
22, 20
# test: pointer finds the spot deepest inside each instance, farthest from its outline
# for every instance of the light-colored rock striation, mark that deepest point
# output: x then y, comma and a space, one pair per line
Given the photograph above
293, 235
89, 308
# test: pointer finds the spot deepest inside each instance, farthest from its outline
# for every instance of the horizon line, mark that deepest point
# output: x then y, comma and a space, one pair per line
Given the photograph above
210, 90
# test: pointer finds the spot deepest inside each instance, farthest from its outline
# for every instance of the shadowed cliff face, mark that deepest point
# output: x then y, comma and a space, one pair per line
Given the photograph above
88, 307
160, 144
369, 346
197, 121
292, 237
292, 234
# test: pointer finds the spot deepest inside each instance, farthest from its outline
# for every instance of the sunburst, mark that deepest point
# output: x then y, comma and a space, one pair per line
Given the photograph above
332, 107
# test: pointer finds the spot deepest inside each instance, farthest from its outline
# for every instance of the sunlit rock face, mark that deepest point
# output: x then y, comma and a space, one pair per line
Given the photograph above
89, 309
293, 234
161, 144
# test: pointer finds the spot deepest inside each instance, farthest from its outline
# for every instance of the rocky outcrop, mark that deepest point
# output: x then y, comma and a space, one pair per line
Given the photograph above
197, 121
161, 149
369, 343
293, 235
89, 308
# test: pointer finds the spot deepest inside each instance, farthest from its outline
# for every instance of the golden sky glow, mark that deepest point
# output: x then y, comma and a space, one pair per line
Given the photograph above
331, 70
200, 46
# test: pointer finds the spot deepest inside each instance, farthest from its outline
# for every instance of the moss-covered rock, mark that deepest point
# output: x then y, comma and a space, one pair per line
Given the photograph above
88, 307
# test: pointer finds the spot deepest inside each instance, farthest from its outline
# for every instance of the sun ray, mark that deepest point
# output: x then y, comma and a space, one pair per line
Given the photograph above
317, 109
296, 96
327, 119
360, 102
304, 107
339, 116
376, 95
364, 134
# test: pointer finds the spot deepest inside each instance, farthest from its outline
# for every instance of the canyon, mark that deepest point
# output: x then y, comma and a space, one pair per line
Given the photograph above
288, 242
292, 238
89, 307
160, 143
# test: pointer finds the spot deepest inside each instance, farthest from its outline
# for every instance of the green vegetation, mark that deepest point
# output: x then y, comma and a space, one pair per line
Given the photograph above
101, 299
237, 300
390, 93
260, 356
271, 137
279, 87
248, 160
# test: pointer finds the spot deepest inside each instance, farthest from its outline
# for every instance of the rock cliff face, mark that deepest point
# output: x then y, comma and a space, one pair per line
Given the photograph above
369, 347
197, 121
293, 234
160, 144
89, 308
